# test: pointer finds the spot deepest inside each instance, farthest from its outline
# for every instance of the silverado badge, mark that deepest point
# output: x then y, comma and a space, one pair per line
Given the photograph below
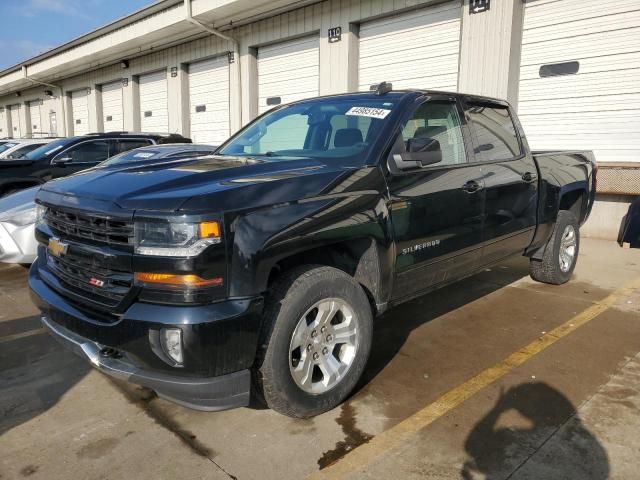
56, 247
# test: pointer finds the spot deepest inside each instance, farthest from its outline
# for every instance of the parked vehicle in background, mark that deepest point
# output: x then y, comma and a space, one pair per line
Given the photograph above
260, 269
18, 210
17, 219
65, 156
19, 148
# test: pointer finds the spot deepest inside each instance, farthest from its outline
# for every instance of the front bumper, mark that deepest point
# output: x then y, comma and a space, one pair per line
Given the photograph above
220, 343
17, 244
210, 394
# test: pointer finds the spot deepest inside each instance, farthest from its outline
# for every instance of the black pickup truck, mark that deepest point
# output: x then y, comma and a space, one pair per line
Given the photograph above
257, 271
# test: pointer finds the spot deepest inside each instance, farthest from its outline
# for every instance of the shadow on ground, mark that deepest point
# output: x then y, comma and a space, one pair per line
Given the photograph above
392, 329
35, 371
502, 444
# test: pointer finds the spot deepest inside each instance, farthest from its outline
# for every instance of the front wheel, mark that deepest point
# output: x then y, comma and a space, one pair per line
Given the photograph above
316, 341
560, 253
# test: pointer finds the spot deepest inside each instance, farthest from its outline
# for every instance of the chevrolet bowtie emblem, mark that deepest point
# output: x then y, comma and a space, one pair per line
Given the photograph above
56, 247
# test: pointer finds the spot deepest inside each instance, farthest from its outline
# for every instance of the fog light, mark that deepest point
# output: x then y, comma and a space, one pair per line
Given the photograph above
171, 341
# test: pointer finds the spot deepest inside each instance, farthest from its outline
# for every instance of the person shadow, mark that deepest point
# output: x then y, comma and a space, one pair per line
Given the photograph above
533, 432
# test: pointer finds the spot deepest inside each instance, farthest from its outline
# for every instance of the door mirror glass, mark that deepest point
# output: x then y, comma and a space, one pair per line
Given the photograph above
422, 152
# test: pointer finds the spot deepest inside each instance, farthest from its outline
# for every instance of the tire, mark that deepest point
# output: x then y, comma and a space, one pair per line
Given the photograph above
296, 300
552, 269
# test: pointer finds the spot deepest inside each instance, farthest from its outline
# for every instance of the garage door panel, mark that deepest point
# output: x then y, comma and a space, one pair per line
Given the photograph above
564, 12
112, 108
597, 108
589, 26
419, 49
153, 99
80, 112
35, 117
16, 124
289, 70
609, 63
574, 86
209, 90
618, 104
608, 43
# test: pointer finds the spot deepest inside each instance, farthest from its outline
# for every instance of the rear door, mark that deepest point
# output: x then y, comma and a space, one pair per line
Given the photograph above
510, 180
437, 210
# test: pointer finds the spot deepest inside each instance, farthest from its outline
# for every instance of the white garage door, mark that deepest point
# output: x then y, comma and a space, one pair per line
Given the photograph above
112, 114
419, 49
16, 124
35, 116
3, 122
580, 77
154, 114
80, 112
209, 100
288, 70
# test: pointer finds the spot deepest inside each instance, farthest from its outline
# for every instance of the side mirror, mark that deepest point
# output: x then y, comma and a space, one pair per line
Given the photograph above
421, 152
61, 161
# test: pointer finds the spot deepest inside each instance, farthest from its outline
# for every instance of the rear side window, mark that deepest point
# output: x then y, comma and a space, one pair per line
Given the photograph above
126, 145
494, 133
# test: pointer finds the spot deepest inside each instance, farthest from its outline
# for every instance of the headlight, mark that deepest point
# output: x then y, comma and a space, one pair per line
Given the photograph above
41, 210
175, 239
20, 216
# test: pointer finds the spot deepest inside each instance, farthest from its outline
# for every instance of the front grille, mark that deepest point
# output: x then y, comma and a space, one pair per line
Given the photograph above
97, 229
104, 289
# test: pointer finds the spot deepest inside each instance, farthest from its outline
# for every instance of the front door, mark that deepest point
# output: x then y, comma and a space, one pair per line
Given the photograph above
436, 211
510, 180
82, 156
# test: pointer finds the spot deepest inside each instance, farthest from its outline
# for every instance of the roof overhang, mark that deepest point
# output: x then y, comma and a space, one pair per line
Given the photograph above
157, 26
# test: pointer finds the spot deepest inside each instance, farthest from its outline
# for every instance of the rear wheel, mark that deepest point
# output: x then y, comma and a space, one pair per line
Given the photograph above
316, 341
561, 252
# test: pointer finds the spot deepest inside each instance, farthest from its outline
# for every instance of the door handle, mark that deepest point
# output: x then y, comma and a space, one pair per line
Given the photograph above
529, 177
472, 186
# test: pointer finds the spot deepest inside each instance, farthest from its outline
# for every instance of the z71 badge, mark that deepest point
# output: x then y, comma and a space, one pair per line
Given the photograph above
420, 246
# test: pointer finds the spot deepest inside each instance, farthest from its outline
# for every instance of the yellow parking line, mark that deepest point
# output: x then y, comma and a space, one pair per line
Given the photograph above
359, 458
10, 338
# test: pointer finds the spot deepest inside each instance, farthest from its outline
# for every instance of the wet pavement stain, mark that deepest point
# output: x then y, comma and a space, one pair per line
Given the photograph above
354, 437
28, 470
143, 398
98, 449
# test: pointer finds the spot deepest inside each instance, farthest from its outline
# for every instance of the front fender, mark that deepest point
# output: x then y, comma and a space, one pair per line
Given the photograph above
262, 238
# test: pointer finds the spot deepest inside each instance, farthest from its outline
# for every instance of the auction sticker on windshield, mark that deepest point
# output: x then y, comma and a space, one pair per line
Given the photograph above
368, 112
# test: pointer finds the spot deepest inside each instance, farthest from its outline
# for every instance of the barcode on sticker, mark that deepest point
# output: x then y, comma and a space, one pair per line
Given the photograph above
369, 112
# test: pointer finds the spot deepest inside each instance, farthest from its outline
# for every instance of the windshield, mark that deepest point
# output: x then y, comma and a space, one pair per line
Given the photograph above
131, 156
6, 146
342, 129
47, 149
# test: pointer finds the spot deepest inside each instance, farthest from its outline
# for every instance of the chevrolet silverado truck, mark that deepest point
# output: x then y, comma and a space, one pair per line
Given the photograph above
256, 272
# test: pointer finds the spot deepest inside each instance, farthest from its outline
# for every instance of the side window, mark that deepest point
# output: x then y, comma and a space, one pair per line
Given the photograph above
126, 145
438, 121
494, 133
89, 152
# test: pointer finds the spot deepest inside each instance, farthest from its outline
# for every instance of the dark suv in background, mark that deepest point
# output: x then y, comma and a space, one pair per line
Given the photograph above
69, 155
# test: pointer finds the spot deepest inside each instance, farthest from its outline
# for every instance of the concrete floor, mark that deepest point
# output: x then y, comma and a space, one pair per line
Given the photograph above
571, 411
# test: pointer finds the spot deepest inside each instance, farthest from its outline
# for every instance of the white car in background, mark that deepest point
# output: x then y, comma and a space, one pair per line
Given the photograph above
17, 219
18, 210
16, 149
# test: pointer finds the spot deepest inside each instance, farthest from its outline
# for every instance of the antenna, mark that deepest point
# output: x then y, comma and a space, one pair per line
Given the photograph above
381, 88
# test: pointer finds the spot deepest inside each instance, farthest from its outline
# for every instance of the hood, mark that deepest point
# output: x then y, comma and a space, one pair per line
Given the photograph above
197, 184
